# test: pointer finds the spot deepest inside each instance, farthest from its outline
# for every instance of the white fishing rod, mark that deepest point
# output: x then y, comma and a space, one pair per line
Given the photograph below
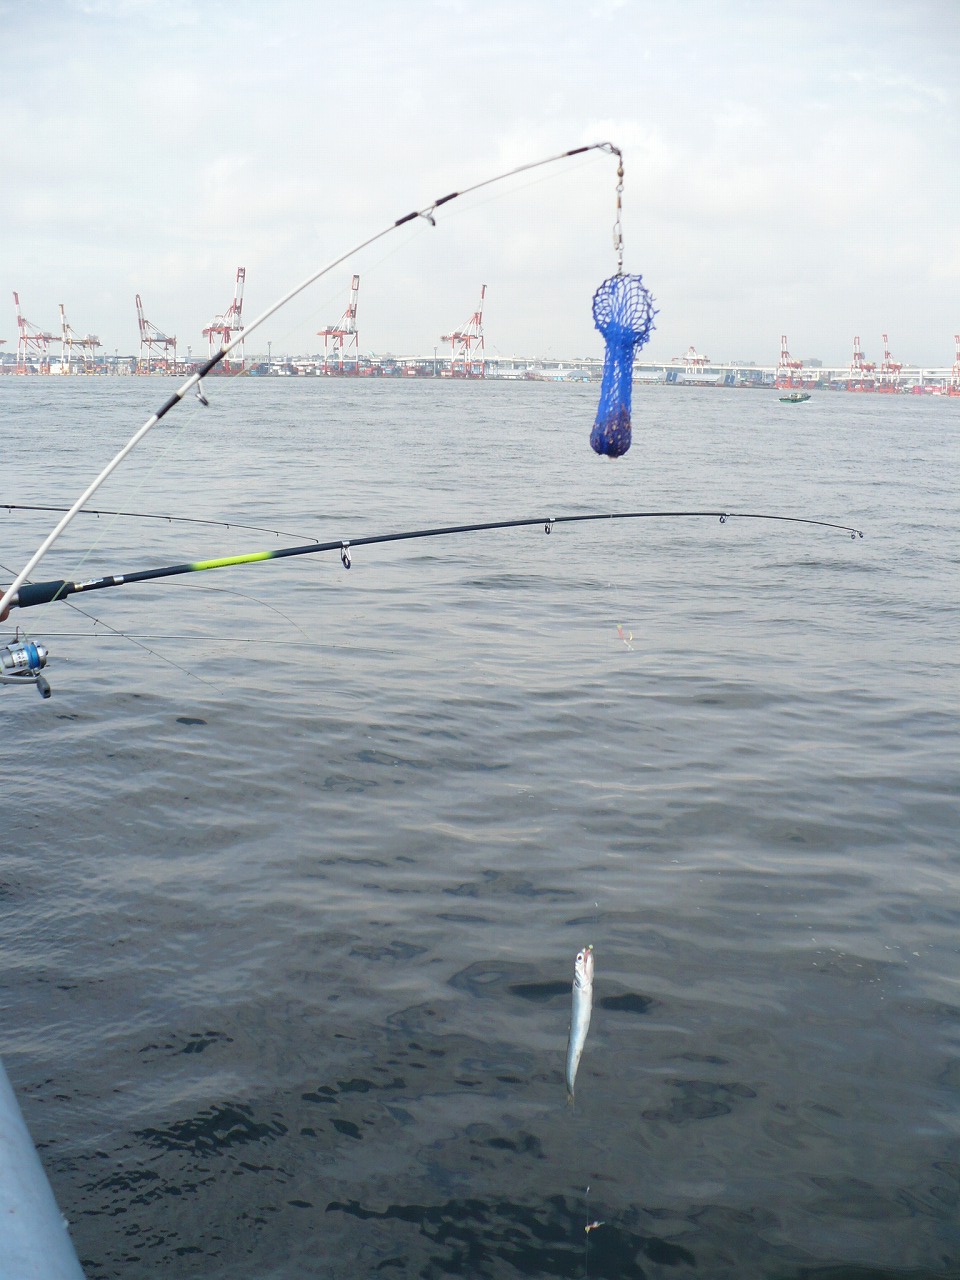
195, 379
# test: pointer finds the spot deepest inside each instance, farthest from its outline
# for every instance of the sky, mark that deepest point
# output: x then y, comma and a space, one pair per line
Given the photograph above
790, 168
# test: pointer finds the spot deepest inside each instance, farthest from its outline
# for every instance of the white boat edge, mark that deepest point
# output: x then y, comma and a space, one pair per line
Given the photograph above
35, 1242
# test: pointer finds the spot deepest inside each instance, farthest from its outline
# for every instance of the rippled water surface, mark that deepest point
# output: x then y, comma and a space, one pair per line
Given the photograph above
294, 877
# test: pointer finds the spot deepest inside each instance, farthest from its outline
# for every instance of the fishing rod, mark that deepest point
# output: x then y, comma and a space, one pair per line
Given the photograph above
22, 661
29, 595
194, 382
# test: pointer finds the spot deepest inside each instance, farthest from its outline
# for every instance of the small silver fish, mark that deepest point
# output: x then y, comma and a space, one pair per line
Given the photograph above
580, 1018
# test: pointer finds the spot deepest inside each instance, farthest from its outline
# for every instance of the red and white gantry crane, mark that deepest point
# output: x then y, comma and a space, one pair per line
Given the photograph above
788, 370
223, 329
466, 346
859, 368
71, 342
343, 336
889, 369
158, 352
32, 343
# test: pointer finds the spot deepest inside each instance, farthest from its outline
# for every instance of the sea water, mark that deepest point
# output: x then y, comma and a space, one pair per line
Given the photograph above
296, 859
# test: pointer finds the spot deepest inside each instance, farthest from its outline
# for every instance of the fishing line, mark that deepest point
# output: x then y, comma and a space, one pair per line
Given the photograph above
135, 639
498, 198
193, 383
150, 515
243, 595
123, 635
328, 305
459, 211
162, 635
98, 622
162, 452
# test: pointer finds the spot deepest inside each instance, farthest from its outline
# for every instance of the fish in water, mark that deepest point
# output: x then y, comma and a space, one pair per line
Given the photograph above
580, 1018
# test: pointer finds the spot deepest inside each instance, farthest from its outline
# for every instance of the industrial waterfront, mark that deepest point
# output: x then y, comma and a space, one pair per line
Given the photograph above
459, 354
910, 380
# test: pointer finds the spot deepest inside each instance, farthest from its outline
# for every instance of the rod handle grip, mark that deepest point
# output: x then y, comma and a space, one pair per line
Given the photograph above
33, 593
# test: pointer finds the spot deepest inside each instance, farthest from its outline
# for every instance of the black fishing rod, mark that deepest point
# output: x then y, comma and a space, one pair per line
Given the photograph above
29, 595
22, 661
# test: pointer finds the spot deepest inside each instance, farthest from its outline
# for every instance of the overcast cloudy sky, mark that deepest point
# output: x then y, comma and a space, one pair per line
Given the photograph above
790, 168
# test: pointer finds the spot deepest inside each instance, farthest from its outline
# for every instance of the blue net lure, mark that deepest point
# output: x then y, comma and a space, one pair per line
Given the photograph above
623, 311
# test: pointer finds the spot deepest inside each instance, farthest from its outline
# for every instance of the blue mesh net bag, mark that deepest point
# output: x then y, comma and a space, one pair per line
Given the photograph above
623, 312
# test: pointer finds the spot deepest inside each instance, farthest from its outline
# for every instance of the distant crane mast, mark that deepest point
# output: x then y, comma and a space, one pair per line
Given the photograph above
889, 369
69, 340
955, 379
859, 367
158, 353
224, 328
467, 358
32, 341
788, 369
344, 333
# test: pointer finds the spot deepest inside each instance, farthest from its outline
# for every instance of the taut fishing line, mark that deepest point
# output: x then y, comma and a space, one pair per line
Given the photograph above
138, 641
494, 198
151, 515
14, 673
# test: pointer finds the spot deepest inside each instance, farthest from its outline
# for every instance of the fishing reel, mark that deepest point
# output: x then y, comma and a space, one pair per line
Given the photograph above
21, 662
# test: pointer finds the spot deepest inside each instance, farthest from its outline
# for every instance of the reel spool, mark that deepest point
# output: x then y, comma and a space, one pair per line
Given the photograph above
21, 662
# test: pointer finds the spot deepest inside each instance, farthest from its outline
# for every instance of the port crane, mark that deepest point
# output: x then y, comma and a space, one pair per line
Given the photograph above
32, 342
788, 370
889, 369
158, 352
466, 345
859, 368
69, 341
344, 332
691, 359
226, 327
